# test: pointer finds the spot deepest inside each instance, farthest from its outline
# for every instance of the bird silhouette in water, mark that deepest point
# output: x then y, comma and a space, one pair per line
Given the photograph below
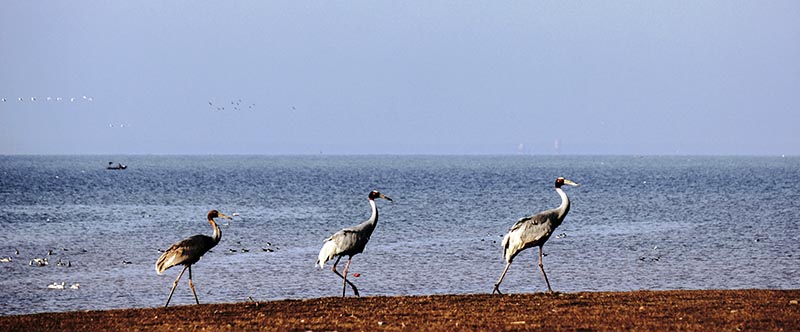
349, 242
534, 231
188, 251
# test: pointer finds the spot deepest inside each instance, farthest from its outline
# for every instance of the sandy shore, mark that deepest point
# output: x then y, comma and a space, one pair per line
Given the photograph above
715, 310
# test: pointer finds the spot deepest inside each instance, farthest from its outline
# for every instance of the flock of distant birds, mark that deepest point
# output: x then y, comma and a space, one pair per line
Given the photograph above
45, 261
236, 105
39, 262
51, 99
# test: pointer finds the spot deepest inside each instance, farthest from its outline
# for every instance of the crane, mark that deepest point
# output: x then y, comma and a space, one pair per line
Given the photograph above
534, 231
188, 251
349, 242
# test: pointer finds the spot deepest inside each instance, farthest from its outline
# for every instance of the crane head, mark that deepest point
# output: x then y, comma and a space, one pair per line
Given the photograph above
216, 214
376, 194
562, 181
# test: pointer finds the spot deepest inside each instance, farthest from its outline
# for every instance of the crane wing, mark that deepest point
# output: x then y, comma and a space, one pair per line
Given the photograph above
351, 241
534, 228
536, 219
186, 251
348, 239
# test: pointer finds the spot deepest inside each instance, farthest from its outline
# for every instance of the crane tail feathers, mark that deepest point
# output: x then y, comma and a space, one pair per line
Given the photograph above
160, 268
327, 253
167, 260
507, 254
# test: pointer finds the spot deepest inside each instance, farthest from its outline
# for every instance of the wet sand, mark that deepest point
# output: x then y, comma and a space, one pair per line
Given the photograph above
707, 310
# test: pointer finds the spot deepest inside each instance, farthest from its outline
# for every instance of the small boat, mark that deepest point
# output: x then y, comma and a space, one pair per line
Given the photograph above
117, 166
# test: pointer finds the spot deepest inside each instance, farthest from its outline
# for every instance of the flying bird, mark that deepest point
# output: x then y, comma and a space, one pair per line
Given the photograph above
349, 242
534, 231
188, 251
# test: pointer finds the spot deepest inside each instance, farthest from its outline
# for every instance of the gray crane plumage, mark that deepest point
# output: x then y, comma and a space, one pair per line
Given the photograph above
188, 251
534, 231
349, 242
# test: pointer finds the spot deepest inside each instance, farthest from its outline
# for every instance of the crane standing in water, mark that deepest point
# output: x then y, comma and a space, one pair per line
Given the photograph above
349, 242
534, 231
188, 251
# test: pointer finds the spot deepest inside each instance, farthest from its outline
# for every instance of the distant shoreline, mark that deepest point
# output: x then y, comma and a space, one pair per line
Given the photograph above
644, 155
689, 310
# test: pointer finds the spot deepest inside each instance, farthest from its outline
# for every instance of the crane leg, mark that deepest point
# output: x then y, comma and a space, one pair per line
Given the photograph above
497, 285
345, 282
346, 267
541, 267
175, 284
191, 285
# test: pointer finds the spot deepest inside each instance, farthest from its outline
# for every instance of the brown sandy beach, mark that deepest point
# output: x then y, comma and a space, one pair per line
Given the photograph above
707, 310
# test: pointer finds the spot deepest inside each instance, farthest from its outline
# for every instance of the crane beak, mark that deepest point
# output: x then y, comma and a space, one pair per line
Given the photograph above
224, 216
568, 182
386, 198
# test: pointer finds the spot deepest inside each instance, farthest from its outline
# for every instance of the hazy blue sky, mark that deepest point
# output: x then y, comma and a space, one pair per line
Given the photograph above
380, 77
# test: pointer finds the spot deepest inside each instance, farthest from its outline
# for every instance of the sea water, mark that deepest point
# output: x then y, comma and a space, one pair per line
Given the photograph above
677, 222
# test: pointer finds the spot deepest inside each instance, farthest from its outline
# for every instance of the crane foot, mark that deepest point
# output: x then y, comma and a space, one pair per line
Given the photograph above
496, 290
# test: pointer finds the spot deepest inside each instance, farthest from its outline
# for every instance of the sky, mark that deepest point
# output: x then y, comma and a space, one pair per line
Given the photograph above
400, 77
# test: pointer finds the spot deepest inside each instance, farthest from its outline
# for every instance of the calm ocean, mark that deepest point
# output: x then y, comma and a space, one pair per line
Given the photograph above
636, 223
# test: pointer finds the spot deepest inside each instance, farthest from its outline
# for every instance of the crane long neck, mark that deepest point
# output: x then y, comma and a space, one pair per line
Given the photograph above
564, 207
373, 220
217, 233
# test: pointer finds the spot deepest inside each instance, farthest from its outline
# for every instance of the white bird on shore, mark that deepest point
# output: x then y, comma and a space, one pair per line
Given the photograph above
6, 259
75, 286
